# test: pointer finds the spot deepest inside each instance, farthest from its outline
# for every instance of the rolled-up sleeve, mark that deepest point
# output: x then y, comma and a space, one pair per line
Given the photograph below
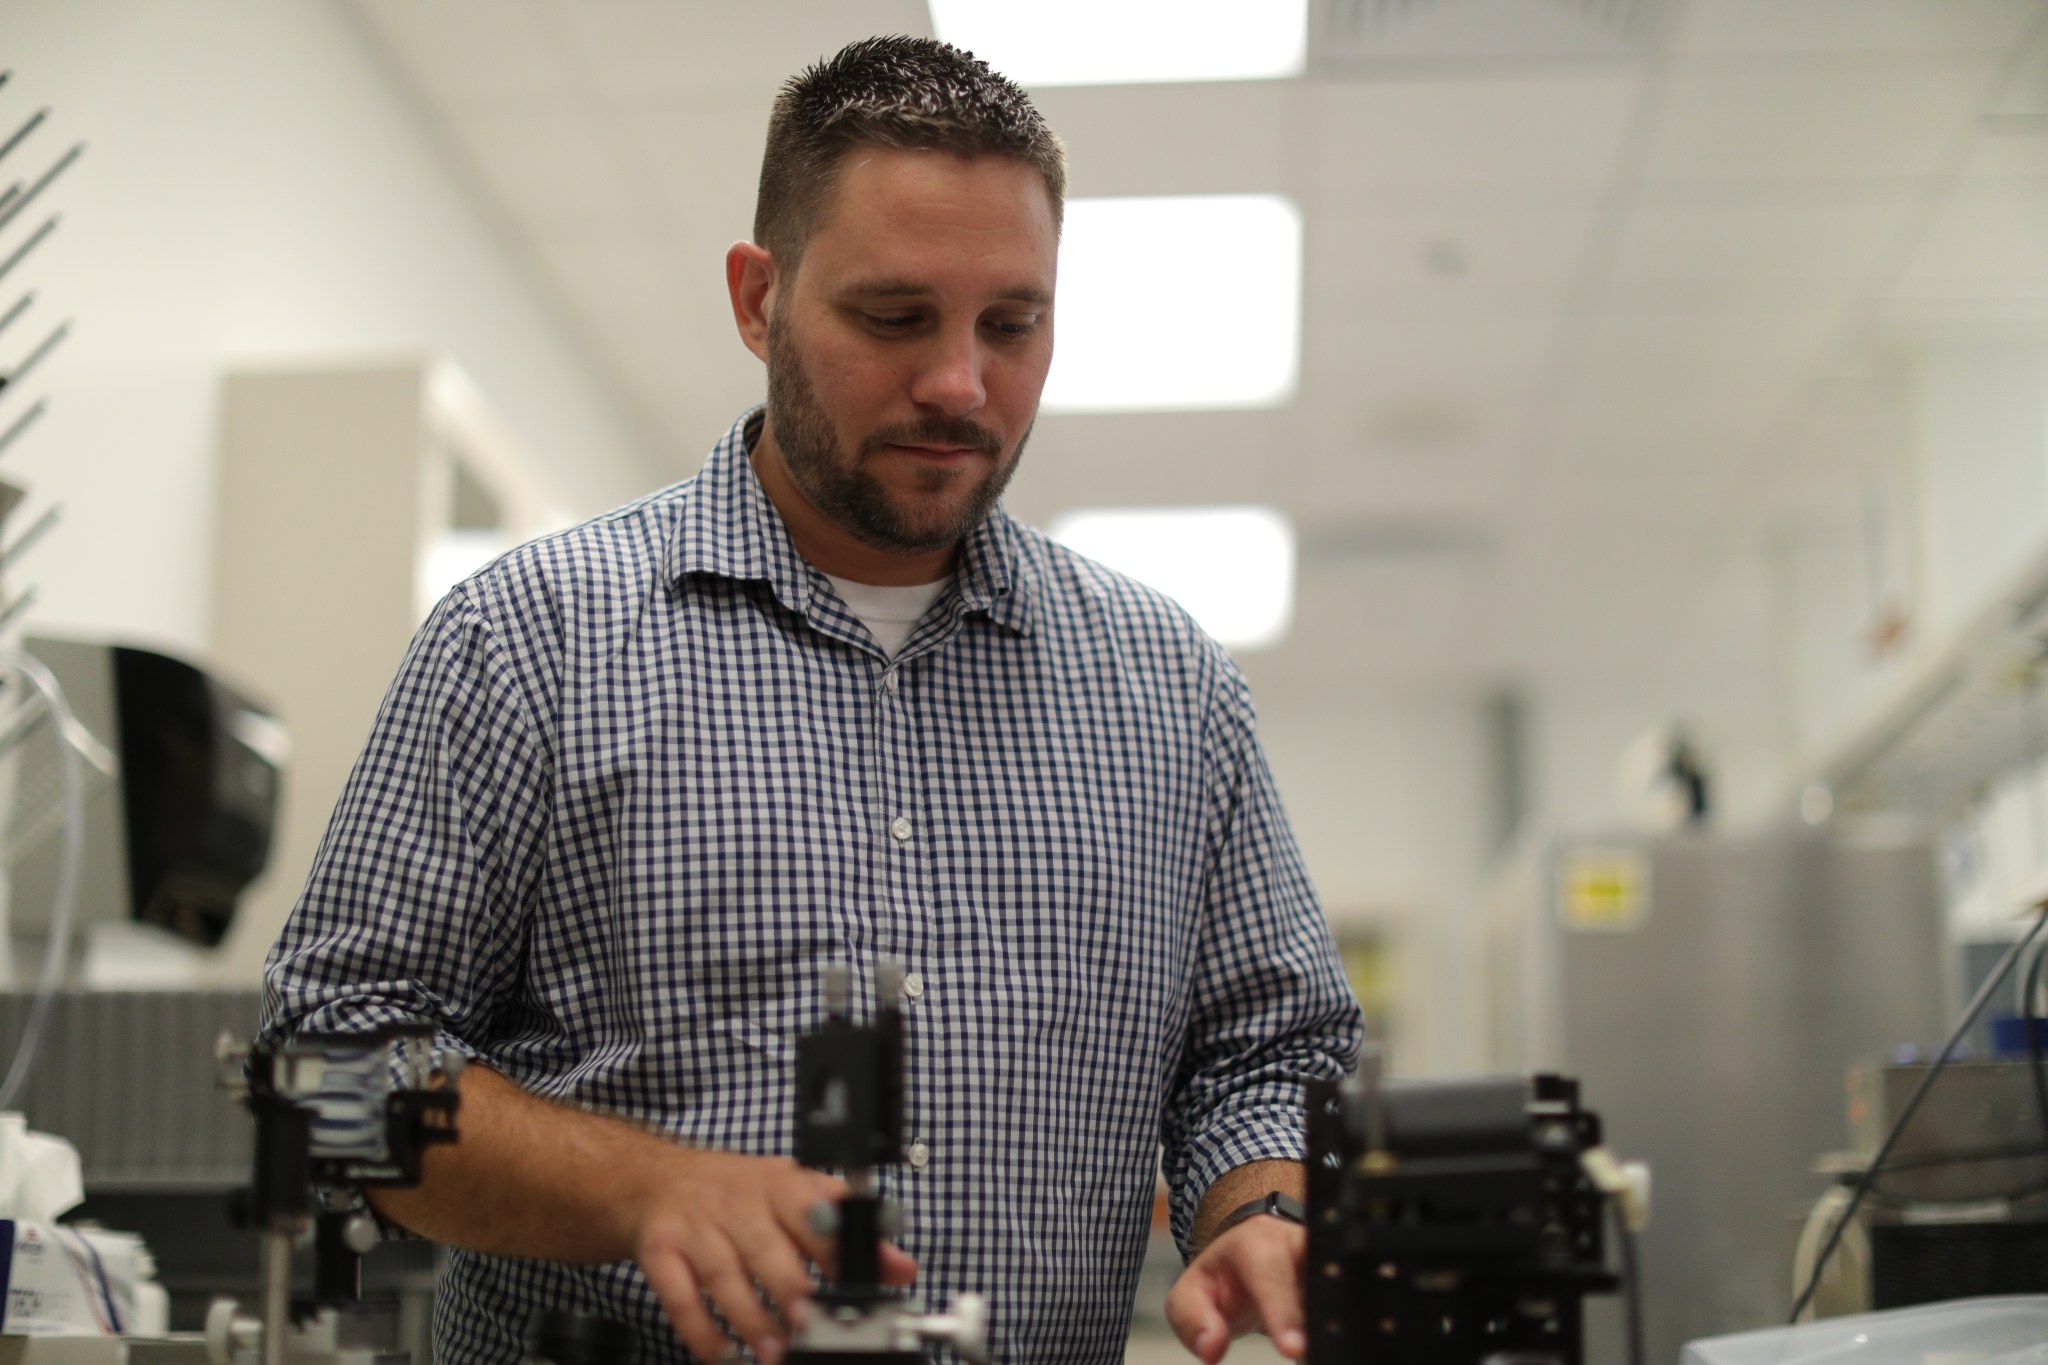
1271, 1007
413, 911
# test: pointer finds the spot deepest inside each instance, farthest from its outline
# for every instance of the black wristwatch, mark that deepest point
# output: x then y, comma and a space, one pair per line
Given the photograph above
1278, 1204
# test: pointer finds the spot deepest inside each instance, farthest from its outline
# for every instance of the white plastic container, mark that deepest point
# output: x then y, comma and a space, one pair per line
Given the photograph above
2010, 1330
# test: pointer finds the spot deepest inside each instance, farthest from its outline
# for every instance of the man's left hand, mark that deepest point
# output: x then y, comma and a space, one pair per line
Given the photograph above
1247, 1280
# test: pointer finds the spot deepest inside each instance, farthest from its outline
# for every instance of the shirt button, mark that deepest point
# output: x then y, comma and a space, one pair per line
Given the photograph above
889, 680
913, 985
920, 1155
900, 828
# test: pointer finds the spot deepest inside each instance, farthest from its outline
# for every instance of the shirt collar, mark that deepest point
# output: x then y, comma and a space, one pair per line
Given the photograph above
730, 529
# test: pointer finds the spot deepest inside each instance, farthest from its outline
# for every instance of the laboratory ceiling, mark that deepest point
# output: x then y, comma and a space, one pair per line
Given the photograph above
1605, 302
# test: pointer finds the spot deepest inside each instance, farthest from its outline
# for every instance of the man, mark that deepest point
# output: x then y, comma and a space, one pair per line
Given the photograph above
638, 783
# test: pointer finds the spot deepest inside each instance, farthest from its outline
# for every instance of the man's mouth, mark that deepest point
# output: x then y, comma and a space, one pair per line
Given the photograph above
930, 452
938, 443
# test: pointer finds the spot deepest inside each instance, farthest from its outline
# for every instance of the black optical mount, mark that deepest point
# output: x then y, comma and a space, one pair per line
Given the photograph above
849, 1118
1451, 1222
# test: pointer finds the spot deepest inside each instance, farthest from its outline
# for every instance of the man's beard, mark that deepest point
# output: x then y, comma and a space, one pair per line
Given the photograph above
841, 487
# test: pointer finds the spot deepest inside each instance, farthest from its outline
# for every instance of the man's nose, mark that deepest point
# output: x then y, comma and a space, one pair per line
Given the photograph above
949, 376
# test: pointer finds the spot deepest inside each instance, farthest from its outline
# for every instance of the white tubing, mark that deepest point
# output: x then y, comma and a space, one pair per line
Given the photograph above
55, 957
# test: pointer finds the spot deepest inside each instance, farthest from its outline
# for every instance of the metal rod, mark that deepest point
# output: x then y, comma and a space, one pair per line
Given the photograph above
34, 241
37, 529
34, 122
277, 1293
7, 195
21, 424
19, 308
16, 607
34, 358
42, 183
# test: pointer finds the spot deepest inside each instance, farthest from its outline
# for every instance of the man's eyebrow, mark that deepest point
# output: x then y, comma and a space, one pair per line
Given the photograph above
904, 288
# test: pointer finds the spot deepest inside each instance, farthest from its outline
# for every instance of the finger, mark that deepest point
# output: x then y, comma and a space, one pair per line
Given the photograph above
1196, 1318
1269, 1269
677, 1288
899, 1267
777, 1265
731, 1290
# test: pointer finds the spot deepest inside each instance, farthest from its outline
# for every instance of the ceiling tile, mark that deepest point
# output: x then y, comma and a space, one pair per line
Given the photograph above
1908, 27
661, 49
1463, 262
549, 164
1220, 138
1988, 241
2008, 149
1362, 494
1382, 616
1815, 121
1598, 427
1503, 130
1719, 354
701, 159
1151, 459
628, 277
1360, 349
1753, 256
459, 50
1497, 473
1841, 483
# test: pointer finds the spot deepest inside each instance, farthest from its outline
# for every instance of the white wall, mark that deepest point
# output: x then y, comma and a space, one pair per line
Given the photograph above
1389, 796
254, 190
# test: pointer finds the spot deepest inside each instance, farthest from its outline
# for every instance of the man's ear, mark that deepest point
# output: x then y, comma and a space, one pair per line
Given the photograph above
751, 279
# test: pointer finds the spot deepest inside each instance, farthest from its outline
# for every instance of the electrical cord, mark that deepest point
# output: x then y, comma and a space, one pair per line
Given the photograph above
1631, 1283
32, 671
1852, 1258
2031, 1021
1884, 1148
1626, 1189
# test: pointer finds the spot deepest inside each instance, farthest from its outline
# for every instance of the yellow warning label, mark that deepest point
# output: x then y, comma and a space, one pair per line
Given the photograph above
1604, 891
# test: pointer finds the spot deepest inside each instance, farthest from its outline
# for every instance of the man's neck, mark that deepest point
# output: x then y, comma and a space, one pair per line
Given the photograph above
829, 546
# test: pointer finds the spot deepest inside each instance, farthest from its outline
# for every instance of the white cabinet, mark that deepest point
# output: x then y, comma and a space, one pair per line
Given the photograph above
350, 498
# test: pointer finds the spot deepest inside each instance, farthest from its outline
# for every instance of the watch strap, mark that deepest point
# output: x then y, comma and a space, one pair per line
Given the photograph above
1279, 1205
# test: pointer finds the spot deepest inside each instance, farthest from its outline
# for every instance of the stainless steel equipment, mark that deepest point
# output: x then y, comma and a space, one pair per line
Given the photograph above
1712, 991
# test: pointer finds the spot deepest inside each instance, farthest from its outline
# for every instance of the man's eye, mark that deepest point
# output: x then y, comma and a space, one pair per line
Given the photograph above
1013, 327
892, 322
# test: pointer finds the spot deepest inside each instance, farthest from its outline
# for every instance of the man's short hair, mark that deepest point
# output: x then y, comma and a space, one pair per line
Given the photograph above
912, 93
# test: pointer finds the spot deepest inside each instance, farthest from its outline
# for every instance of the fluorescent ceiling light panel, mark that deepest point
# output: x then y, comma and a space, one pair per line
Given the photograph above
1128, 42
1231, 567
1177, 303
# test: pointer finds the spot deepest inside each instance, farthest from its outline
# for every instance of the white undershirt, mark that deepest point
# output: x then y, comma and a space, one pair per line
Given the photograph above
890, 614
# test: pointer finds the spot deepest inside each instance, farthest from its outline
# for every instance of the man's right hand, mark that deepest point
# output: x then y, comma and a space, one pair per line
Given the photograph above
710, 1230
735, 1233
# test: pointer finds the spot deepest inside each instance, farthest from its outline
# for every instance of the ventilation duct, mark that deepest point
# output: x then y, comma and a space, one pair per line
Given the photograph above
1355, 37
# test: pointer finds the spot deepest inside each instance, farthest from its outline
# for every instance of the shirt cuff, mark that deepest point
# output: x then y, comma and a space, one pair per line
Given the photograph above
1264, 1124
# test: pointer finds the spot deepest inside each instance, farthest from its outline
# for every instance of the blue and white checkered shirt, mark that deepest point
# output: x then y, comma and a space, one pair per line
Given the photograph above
638, 782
